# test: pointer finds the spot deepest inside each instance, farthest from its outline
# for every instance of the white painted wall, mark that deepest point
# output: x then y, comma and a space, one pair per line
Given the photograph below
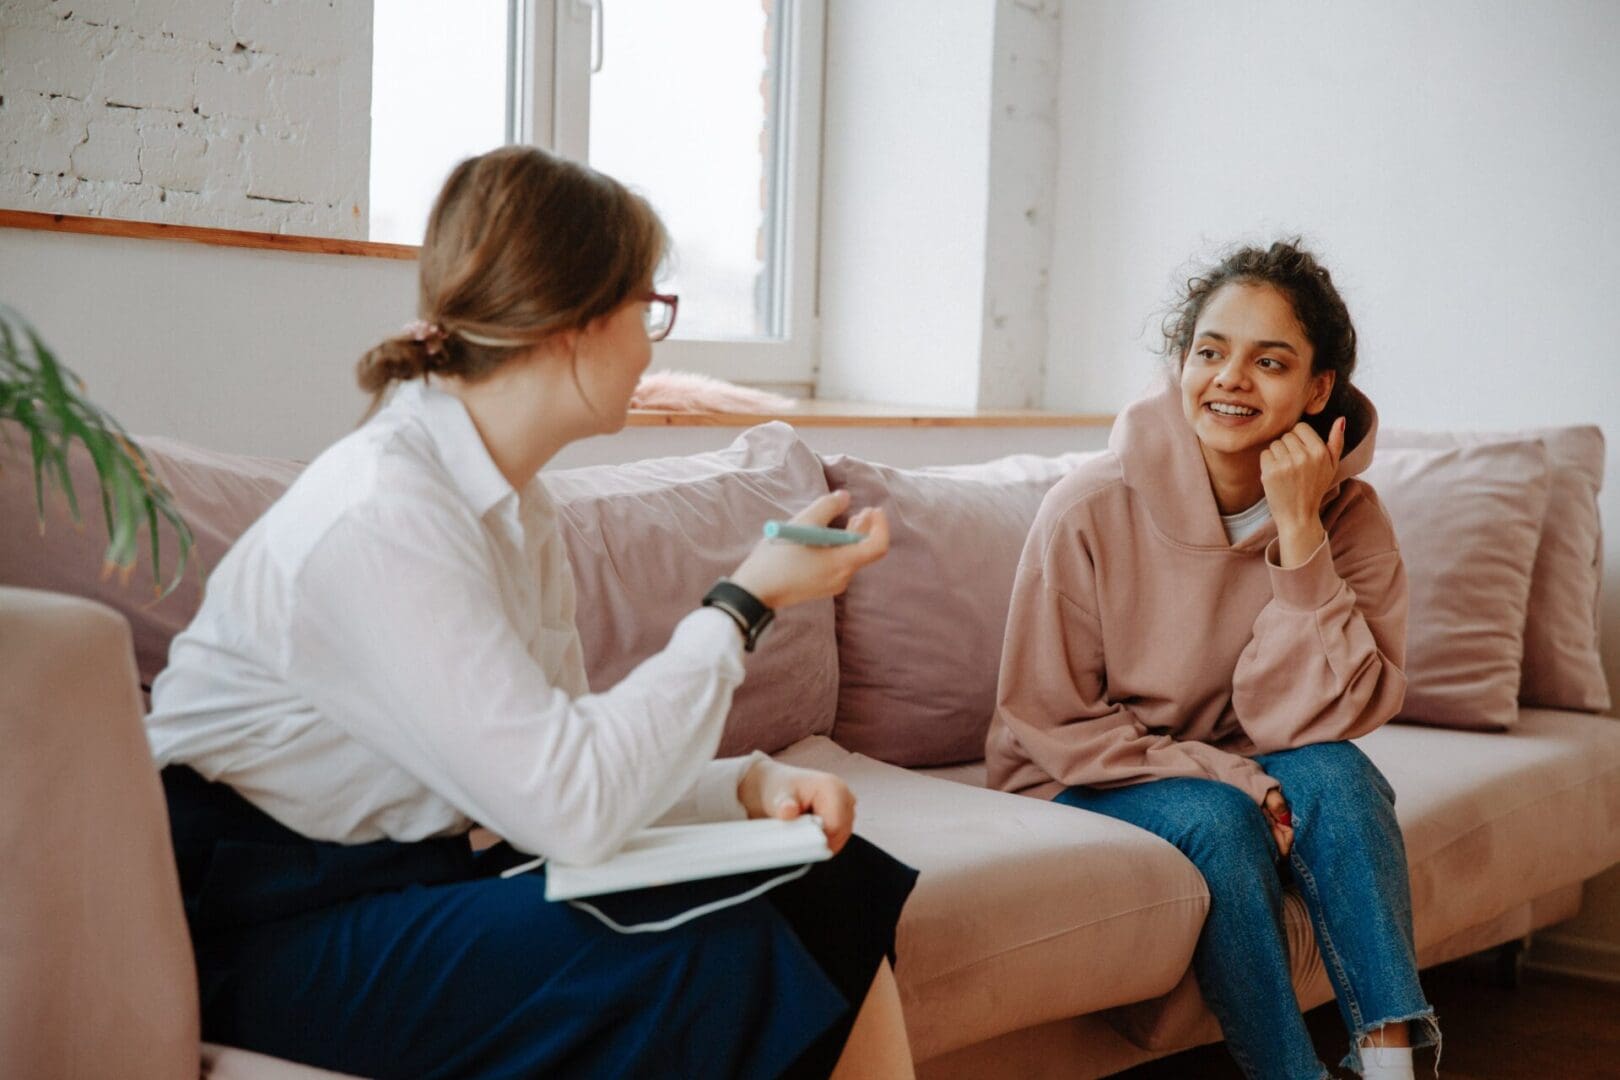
939, 159
903, 201
1022, 182
239, 114
253, 351
1456, 163
241, 350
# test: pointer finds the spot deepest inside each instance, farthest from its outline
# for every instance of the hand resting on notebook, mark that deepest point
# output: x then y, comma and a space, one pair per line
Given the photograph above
772, 789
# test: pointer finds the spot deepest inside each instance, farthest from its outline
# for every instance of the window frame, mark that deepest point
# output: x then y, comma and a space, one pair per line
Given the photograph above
553, 46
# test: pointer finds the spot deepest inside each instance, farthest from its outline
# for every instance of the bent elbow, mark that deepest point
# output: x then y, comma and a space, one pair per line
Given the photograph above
585, 848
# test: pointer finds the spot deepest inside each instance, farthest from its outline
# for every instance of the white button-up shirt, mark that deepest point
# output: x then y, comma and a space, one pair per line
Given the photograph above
390, 651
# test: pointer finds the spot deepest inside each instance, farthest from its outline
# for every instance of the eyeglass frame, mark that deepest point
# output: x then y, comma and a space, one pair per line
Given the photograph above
674, 302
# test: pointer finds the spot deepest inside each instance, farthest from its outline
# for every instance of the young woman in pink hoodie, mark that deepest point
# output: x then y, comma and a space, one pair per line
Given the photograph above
1202, 618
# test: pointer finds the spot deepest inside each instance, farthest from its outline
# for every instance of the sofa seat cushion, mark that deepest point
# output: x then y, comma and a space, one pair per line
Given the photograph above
1492, 822
1025, 911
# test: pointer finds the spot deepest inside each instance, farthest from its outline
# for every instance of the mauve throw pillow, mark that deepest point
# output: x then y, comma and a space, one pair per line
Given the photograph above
1563, 667
646, 541
1468, 520
919, 633
218, 494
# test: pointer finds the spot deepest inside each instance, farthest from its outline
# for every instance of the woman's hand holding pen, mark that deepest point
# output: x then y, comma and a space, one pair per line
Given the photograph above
772, 789
784, 574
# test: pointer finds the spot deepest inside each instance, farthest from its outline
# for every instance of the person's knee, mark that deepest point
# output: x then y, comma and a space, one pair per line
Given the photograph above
1327, 776
1224, 832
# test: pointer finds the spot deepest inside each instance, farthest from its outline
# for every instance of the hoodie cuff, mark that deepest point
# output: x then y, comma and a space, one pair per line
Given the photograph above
1258, 783
1305, 587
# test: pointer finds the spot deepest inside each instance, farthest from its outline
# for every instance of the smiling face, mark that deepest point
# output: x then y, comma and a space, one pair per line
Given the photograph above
1246, 378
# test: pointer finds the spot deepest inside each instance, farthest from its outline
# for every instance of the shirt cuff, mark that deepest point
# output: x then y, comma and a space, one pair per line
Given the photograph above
1305, 587
707, 633
717, 788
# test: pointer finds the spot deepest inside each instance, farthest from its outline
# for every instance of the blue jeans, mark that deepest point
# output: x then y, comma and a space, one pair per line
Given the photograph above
1349, 863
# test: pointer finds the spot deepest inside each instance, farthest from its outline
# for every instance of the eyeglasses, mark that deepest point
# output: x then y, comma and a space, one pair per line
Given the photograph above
660, 317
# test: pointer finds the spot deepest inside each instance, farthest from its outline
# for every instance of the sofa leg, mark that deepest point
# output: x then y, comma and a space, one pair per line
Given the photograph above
1509, 962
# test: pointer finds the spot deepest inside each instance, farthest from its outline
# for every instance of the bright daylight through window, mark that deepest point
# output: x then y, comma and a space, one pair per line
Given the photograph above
682, 104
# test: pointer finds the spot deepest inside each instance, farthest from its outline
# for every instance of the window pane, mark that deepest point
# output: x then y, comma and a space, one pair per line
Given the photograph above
438, 95
680, 112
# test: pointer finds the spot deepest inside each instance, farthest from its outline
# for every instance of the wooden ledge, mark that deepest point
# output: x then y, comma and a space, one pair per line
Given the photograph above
195, 234
833, 414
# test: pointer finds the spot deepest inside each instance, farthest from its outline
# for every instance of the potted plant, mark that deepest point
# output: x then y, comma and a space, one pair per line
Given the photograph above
48, 403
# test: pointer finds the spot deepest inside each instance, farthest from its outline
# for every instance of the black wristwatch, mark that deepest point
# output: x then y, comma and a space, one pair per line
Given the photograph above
745, 609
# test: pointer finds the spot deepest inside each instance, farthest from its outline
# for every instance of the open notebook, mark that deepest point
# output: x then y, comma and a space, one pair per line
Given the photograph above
666, 854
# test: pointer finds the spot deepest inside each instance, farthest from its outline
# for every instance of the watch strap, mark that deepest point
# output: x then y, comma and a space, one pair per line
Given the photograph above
746, 610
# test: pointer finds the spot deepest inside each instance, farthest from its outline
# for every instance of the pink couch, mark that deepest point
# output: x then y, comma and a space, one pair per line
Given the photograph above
1041, 941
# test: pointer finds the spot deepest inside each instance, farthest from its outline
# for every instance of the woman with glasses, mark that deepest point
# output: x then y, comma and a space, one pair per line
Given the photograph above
382, 705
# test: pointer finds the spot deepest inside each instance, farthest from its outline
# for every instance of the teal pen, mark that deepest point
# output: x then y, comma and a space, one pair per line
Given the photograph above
810, 535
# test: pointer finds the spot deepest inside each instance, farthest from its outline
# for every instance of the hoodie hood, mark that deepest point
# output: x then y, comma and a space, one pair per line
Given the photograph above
1164, 467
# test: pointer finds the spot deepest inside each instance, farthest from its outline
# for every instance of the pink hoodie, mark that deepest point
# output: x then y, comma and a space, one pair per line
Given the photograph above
1141, 645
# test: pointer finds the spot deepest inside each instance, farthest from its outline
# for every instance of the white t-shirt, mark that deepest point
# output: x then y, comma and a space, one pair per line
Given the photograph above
1245, 523
390, 651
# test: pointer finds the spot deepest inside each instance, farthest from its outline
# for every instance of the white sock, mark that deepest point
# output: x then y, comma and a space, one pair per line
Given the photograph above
1386, 1063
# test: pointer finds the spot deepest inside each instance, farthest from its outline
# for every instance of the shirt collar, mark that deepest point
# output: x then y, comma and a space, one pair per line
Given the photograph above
460, 448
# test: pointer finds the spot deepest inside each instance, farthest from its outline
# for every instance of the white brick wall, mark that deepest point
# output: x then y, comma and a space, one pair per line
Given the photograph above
242, 114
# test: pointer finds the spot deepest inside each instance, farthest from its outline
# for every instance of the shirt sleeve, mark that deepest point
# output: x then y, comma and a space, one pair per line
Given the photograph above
1051, 697
398, 635
714, 796
1326, 656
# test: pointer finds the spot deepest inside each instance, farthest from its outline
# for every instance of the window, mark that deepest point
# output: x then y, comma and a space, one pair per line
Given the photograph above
710, 108
439, 93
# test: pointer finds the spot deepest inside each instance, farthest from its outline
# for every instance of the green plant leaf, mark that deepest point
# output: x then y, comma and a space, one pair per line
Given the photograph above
47, 400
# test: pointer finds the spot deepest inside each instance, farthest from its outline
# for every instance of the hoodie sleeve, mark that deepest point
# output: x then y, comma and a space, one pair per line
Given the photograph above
1325, 660
1052, 695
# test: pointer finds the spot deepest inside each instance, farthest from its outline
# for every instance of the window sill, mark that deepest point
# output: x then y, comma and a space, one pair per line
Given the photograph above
197, 234
834, 414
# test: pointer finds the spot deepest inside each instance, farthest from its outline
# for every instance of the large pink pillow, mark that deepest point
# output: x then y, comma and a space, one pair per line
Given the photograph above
648, 539
218, 494
919, 633
1563, 668
1468, 520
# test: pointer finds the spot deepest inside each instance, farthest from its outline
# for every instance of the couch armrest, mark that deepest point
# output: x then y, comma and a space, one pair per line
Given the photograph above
96, 970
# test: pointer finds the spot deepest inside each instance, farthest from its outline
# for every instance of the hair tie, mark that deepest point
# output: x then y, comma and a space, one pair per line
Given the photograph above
431, 335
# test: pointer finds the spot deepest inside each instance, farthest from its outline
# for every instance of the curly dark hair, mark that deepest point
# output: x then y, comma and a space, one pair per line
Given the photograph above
1295, 272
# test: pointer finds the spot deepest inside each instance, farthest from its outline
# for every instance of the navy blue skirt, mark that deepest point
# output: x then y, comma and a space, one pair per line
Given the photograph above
417, 960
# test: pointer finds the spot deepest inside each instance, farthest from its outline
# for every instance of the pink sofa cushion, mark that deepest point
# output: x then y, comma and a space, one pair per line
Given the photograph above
1468, 520
1025, 911
1563, 668
648, 538
219, 495
644, 540
919, 634
1486, 818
